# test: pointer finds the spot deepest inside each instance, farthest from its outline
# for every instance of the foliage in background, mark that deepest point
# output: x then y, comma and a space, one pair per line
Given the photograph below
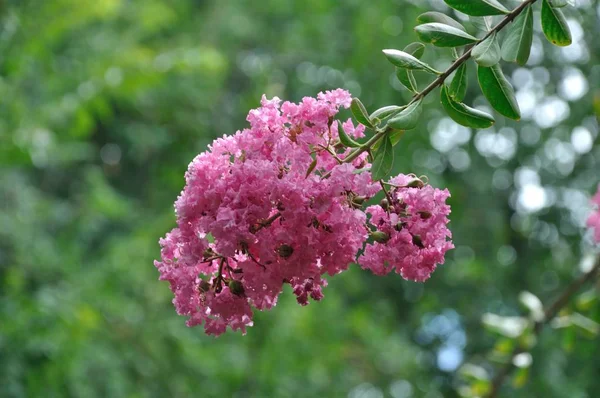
104, 103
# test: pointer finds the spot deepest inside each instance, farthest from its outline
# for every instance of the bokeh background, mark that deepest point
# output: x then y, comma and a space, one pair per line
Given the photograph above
103, 103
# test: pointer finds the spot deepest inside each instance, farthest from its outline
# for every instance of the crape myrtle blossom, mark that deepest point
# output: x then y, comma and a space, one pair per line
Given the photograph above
276, 203
593, 220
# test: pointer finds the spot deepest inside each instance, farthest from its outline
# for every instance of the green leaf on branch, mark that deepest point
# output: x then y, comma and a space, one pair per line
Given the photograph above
434, 16
498, 91
395, 136
478, 8
345, 138
386, 111
408, 118
360, 112
463, 114
441, 35
508, 326
458, 86
384, 159
562, 3
406, 76
487, 53
403, 60
554, 25
518, 40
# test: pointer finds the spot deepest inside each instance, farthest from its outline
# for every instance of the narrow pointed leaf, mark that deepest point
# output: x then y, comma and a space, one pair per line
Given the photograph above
498, 91
478, 8
441, 35
408, 118
562, 3
345, 138
384, 159
407, 61
458, 88
463, 114
434, 16
518, 40
360, 113
311, 167
555, 26
395, 136
487, 53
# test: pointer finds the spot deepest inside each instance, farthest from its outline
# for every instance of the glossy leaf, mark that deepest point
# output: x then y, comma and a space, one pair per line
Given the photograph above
498, 91
386, 111
487, 53
360, 112
434, 16
395, 136
458, 87
311, 167
406, 76
384, 159
554, 25
518, 40
407, 61
441, 35
345, 138
408, 118
562, 3
478, 8
463, 114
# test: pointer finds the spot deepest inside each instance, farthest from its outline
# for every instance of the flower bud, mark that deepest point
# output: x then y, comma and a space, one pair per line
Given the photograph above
208, 253
417, 241
379, 237
359, 200
398, 227
415, 183
385, 204
285, 251
204, 286
236, 287
424, 214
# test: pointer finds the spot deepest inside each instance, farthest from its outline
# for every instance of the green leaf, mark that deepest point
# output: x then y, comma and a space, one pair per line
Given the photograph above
386, 111
487, 53
533, 304
415, 49
311, 167
395, 136
407, 79
406, 76
478, 8
458, 88
407, 61
562, 3
384, 159
345, 138
555, 26
434, 16
498, 91
441, 35
360, 112
517, 44
463, 114
408, 118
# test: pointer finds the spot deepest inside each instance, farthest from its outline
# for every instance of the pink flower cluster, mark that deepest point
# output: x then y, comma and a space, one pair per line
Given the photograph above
594, 218
276, 203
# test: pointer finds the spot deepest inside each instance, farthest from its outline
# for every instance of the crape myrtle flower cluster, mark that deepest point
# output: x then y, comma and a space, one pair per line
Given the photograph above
593, 220
276, 203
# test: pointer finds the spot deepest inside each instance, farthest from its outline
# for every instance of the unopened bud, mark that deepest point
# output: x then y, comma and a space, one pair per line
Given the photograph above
398, 227
385, 204
285, 251
236, 287
425, 215
359, 200
415, 183
204, 286
417, 241
208, 253
380, 237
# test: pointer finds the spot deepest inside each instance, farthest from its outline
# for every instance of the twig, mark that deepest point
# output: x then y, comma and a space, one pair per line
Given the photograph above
549, 314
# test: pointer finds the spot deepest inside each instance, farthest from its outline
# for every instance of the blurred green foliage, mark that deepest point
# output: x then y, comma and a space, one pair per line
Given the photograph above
103, 103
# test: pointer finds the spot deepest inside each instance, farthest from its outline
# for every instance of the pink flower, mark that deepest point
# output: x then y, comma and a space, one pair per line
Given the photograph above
411, 236
593, 220
275, 204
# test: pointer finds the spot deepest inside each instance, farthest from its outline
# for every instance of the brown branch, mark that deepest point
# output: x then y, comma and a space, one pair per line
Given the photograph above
549, 314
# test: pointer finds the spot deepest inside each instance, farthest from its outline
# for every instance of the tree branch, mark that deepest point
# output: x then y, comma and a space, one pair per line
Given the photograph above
549, 314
